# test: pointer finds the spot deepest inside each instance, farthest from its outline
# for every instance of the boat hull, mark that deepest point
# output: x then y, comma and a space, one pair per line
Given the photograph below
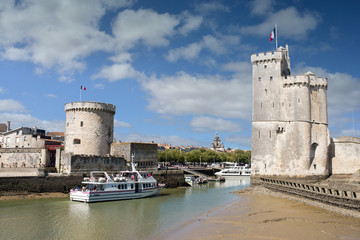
96, 196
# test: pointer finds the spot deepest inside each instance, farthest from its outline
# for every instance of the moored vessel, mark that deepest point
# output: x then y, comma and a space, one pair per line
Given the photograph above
101, 186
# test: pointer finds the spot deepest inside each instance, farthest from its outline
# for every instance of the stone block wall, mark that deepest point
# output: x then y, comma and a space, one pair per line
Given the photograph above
80, 164
23, 157
345, 153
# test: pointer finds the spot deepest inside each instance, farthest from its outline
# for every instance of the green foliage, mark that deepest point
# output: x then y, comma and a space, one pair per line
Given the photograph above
203, 155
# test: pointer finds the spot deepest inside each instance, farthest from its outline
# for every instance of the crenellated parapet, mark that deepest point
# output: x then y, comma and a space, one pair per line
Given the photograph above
319, 82
296, 81
90, 106
267, 57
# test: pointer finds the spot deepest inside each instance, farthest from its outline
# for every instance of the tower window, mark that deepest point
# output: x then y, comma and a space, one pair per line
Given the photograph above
271, 78
261, 105
259, 134
265, 66
81, 123
298, 99
270, 134
266, 91
259, 78
77, 141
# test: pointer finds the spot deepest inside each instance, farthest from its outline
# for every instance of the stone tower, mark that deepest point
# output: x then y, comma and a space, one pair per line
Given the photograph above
290, 134
89, 128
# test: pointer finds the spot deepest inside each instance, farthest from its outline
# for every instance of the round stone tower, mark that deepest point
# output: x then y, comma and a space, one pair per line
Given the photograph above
89, 128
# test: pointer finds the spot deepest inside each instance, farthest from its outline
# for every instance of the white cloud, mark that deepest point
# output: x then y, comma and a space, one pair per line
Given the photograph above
144, 26
244, 141
173, 139
184, 94
191, 22
207, 8
10, 105
261, 7
114, 4
56, 34
118, 72
99, 86
210, 124
50, 95
118, 123
2, 90
189, 52
217, 46
343, 92
26, 120
291, 24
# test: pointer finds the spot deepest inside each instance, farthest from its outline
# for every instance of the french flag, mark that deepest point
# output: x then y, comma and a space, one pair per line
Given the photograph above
83, 88
272, 34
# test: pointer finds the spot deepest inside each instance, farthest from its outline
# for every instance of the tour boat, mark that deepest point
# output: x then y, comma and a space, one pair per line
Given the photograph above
235, 171
100, 186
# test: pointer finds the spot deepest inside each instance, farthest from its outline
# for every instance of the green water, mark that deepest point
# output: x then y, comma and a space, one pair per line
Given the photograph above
128, 219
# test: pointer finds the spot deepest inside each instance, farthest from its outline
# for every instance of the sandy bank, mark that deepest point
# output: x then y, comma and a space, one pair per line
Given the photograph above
262, 214
34, 196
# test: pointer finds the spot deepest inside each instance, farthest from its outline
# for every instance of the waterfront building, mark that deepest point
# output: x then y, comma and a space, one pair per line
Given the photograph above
89, 128
290, 135
145, 154
216, 145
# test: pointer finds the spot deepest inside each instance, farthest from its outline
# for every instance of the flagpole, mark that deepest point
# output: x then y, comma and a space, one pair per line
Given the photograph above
276, 33
80, 94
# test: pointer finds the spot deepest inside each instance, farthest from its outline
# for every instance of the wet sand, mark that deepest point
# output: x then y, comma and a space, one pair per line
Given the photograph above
34, 196
262, 214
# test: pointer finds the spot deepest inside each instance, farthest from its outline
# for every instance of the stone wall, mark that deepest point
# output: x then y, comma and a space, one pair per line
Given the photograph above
342, 196
81, 164
345, 152
23, 157
25, 185
145, 154
171, 178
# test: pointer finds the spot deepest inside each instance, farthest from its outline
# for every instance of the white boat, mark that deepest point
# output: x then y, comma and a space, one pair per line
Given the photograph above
235, 171
100, 186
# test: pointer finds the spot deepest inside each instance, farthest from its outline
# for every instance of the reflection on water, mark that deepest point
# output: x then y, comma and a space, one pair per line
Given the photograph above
127, 219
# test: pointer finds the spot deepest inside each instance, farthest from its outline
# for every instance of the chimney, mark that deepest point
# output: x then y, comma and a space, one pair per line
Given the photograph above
8, 126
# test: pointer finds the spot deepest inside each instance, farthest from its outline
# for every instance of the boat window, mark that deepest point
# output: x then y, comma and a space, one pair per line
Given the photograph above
132, 186
119, 186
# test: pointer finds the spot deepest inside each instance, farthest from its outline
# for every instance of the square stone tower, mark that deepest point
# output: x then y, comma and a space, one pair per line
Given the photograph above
290, 135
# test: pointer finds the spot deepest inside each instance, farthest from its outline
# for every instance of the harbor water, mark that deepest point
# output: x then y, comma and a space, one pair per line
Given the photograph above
60, 218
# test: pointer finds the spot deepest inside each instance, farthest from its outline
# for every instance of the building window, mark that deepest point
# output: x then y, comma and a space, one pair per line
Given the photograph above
270, 134
17, 140
25, 138
67, 124
259, 79
298, 99
271, 78
259, 134
81, 123
77, 141
266, 91
261, 105
265, 66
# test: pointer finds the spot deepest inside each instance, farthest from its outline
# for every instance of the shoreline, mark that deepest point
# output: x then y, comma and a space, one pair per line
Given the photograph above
260, 213
34, 196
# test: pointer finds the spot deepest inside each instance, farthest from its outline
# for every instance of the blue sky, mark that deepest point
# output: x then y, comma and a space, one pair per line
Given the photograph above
177, 71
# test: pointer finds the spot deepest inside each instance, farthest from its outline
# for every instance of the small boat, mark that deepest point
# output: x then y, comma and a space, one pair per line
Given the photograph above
191, 180
235, 171
100, 186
